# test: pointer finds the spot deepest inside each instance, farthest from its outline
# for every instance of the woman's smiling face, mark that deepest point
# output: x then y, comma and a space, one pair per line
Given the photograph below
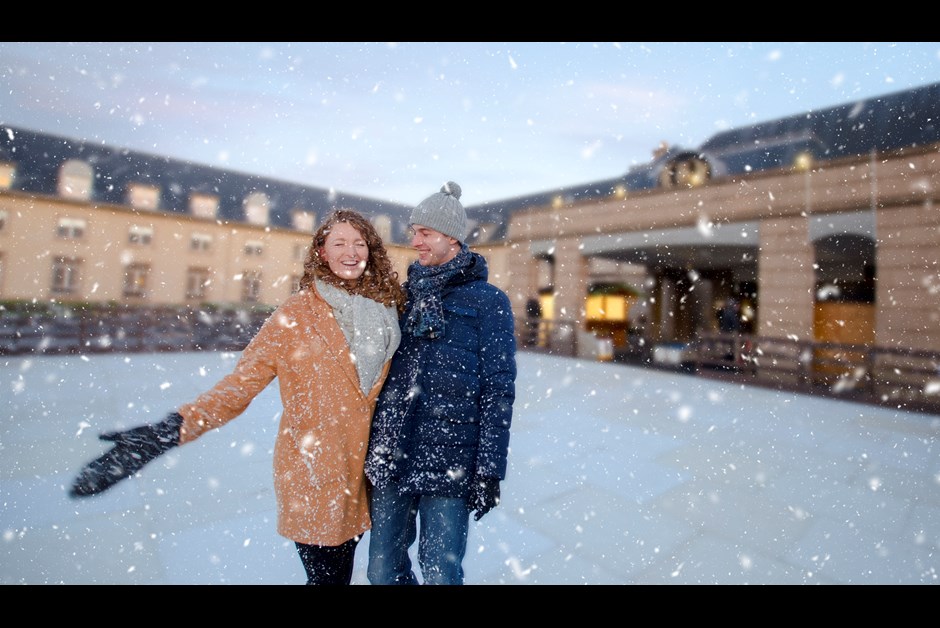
345, 251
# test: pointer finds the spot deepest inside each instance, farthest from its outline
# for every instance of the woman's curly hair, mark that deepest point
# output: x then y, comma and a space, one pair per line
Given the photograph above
378, 282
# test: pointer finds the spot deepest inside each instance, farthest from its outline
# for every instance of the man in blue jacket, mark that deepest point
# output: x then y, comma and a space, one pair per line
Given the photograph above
440, 433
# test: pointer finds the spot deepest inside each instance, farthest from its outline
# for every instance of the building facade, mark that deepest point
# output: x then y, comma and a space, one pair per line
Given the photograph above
821, 226
100, 225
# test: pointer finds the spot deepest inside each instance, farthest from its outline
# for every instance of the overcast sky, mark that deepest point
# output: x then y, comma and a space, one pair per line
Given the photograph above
394, 121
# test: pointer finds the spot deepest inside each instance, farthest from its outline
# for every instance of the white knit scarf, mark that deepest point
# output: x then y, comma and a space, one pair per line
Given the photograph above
371, 330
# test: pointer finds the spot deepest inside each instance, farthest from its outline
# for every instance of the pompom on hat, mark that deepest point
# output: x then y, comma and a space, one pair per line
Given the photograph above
442, 212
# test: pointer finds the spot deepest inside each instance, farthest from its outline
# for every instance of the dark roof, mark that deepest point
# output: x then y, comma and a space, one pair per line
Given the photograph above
890, 122
38, 157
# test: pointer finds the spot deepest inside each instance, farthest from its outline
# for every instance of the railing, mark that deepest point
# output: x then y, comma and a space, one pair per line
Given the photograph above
901, 378
132, 330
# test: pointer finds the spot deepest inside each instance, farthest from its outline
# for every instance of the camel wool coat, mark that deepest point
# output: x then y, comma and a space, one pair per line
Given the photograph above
323, 436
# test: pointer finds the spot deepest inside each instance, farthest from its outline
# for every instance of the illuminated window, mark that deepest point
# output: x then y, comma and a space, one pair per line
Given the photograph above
71, 228
140, 235
66, 272
135, 280
251, 286
603, 307
7, 175
197, 283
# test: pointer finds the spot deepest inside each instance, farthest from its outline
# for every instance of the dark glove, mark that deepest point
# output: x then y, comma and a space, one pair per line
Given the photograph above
484, 496
132, 449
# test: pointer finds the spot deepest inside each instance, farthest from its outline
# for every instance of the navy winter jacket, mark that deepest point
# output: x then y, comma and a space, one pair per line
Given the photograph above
444, 413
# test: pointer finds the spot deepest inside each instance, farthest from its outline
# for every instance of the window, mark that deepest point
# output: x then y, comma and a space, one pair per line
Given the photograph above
7, 175
257, 206
65, 275
251, 286
203, 205
135, 280
142, 196
200, 242
254, 248
383, 225
303, 220
294, 284
71, 228
75, 180
300, 252
140, 235
197, 283
3, 219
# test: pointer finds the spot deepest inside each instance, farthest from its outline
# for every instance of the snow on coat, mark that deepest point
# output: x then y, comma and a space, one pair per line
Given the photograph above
324, 430
446, 408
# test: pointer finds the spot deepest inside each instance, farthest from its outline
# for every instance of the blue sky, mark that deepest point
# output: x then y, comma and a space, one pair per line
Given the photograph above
396, 120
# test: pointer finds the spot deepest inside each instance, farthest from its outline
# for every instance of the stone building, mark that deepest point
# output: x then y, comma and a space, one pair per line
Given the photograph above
84, 223
821, 225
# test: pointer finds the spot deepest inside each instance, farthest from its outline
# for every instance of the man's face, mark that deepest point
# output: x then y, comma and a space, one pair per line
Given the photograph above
433, 247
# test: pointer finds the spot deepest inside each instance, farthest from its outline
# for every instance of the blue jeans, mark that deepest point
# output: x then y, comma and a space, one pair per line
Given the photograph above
443, 543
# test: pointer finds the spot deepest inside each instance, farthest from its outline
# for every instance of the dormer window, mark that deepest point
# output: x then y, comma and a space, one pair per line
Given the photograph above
257, 206
383, 225
303, 220
203, 205
75, 180
140, 196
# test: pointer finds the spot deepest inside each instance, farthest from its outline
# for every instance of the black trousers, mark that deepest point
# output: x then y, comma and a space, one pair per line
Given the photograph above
326, 564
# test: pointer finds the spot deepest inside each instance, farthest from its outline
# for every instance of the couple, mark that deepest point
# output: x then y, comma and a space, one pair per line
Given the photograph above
397, 400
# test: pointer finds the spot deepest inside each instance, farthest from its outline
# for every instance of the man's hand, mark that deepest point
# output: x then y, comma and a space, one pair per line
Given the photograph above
132, 449
484, 496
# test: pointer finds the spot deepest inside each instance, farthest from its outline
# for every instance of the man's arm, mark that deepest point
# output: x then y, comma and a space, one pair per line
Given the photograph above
497, 382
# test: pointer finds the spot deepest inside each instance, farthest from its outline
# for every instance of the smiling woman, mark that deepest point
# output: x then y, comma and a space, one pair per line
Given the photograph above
330, 346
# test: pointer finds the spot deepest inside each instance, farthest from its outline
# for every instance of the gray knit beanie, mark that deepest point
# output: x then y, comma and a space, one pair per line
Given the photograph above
442, 212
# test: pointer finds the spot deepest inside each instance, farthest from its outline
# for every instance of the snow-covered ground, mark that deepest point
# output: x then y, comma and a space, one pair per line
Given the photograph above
618, 475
